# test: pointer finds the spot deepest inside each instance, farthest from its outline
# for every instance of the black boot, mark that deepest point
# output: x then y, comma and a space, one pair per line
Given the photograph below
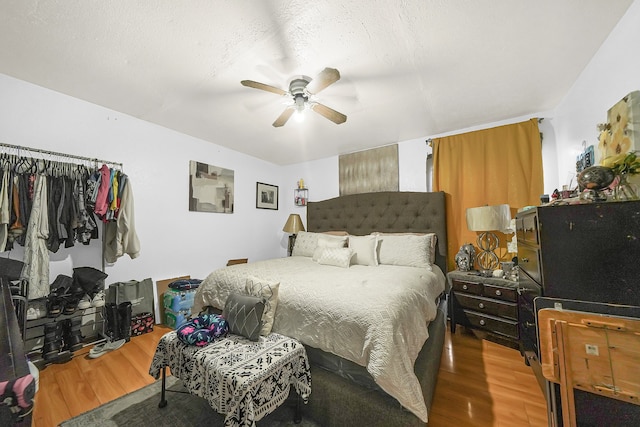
113, 321
73, 334
52, 341
124, 311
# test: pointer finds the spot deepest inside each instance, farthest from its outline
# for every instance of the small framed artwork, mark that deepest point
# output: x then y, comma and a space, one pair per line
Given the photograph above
266, 196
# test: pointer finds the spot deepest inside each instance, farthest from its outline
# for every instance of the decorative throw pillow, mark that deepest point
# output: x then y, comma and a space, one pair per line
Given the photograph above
405, 250
338, 257
328, 241
365, 250
305, 244
244, 315
268, 291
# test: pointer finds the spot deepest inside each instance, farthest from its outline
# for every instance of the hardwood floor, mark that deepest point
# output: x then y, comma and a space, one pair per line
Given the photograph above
480, 383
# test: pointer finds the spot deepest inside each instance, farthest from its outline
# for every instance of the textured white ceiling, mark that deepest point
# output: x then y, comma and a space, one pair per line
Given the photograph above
409, 68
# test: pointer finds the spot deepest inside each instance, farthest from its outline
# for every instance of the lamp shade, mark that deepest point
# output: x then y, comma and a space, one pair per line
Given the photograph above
293, 224
488, 218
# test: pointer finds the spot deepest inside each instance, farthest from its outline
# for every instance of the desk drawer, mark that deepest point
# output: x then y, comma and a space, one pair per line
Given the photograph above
492, 323
488, 306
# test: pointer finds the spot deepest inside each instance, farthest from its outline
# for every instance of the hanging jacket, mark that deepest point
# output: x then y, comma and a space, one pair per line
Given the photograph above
5, 215
103, 191
36, 255
120, 235
54, 194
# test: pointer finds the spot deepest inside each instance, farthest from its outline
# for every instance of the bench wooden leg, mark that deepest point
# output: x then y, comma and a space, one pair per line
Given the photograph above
163, 400
297, 417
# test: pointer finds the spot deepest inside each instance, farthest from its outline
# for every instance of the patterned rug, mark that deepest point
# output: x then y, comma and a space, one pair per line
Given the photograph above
140, 408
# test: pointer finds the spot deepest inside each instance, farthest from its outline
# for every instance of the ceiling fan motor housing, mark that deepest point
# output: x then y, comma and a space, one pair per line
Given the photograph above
297, 89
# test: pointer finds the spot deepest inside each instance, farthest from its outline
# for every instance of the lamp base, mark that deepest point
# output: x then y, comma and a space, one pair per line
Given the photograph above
292, 241
487, 259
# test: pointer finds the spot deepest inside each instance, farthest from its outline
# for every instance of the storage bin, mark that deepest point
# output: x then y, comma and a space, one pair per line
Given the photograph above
174, 319
179, 300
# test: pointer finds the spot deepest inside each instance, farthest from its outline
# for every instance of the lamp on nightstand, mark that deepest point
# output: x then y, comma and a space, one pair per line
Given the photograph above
293, 226
488, 219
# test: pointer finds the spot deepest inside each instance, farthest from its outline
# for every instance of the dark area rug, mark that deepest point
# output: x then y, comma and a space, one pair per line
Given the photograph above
140, 408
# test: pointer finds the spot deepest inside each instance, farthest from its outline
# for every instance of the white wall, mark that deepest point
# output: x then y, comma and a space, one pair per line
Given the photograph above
174, 241
610, 75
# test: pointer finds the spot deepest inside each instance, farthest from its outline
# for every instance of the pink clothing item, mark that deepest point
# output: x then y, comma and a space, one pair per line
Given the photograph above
102, 203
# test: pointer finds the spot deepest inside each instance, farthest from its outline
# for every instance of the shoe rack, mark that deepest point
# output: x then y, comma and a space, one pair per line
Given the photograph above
92, 330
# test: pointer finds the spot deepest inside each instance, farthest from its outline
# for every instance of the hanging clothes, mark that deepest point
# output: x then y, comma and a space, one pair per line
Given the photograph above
120, 235
5, 216
36, 255
103, 191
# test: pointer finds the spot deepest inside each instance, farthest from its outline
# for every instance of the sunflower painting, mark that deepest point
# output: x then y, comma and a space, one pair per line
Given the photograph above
618, 135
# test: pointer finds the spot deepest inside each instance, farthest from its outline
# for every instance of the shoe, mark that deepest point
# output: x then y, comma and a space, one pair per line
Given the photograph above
54, 307
104, 348
124, 320
98, 299
84, 303
36, 310
70, 305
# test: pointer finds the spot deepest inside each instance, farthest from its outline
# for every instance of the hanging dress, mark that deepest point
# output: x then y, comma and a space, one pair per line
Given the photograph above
36, 255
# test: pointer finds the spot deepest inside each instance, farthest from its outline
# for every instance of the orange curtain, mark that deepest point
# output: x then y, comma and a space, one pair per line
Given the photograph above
487, 167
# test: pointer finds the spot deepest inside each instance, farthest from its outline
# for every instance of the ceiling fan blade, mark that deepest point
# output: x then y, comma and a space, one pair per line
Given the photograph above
327, 77
282, 119
262, 86
329, 113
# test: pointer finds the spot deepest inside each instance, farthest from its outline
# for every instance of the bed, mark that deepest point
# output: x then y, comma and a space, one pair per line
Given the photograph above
374, 334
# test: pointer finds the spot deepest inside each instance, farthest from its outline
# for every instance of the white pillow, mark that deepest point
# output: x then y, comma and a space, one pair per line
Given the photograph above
338, 257
406, 250
306, 243
431, 244
328, 241
365, 250
268, 290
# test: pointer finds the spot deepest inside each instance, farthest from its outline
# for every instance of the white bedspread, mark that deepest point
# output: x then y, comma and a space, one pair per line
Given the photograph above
374, 316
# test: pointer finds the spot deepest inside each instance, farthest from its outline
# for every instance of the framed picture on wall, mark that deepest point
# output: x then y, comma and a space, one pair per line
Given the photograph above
266, 196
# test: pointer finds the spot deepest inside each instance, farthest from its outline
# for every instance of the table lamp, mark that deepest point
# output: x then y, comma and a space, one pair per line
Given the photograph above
293, 226
487, 219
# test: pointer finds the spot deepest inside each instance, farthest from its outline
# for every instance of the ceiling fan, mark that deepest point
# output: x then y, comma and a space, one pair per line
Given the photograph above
302, 90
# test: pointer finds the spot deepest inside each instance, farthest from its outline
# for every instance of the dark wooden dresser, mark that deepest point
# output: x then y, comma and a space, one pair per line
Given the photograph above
586, 253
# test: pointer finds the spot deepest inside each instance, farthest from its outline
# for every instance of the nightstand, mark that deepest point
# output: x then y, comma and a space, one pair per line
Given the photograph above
487, 304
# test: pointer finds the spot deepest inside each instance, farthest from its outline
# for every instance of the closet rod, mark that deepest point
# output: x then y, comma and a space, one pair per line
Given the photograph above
54, 153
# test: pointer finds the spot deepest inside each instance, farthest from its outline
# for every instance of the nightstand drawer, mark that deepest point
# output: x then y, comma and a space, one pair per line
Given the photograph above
500, 292
488, 306
467, 287
492, 324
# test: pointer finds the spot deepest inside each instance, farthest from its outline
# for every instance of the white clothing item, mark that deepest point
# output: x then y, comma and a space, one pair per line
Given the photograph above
5, 215
36, 254
120, 235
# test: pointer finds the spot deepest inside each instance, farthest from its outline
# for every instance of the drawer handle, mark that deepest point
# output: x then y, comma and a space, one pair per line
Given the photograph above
465, 287
482, 322
524, 260
498, 292
481, 305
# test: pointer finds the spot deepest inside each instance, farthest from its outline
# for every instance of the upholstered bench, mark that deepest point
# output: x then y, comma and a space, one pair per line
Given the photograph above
242, 379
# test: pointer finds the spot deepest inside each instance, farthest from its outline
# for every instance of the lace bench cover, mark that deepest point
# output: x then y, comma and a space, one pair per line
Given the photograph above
242, 379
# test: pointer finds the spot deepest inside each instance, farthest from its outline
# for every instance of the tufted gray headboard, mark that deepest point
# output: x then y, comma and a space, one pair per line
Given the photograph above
390, 212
